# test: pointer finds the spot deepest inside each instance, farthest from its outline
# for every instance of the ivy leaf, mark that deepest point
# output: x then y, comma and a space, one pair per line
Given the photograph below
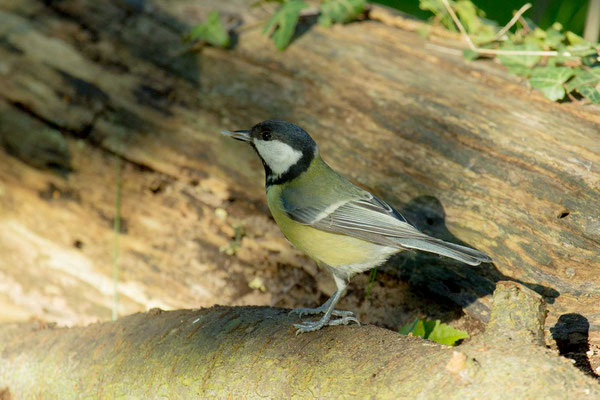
574, 39
467, 12
584, 77
581, 50
445, 334
587, 83
550, 81
409, 328
435, 6
434, 330
283, 23
578, 46
471, 17
554, 38
525, 61
438, 9
473, 21
591, 93
340, 11
211, 31
520, 70
419, 329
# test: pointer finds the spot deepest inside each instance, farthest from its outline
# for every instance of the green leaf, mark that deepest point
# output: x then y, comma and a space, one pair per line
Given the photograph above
419, 329
591, 93
522, 60
434, 330
581, 50
467, 12
520, 70
340, 11
435, 6
554, 38
409, 328
211, 31
429, 326
445, 334
439, 10
574, 39
584, 77
550, 81
283, 22
587, 83
471, 18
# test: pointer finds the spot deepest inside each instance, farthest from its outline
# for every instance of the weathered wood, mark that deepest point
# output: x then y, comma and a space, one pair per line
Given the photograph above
467, 152
252, 352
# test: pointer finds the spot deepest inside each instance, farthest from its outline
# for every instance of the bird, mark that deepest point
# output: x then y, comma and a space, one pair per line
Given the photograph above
344, 228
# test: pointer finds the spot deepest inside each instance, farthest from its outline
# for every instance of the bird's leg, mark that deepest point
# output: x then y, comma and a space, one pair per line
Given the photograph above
328, 307
321, 309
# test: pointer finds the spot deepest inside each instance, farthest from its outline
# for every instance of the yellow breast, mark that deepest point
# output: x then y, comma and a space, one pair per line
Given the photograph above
332, 249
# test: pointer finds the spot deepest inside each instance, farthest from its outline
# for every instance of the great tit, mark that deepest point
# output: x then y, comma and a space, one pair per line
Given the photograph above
346, 229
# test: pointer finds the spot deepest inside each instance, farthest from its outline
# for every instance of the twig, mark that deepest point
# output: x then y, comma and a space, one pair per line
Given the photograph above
519, 52
592, 22
569, 95
526, 27
513, 21
472, 46
460, 26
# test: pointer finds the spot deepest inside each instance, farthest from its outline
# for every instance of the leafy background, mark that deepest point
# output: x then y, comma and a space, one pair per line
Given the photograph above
573, 72
551, 26
569, 13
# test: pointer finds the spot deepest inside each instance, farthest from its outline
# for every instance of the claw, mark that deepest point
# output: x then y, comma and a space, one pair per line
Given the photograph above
308, 327
311, 326
328, 309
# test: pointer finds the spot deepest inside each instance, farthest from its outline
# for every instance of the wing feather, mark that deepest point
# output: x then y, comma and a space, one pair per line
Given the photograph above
367, 217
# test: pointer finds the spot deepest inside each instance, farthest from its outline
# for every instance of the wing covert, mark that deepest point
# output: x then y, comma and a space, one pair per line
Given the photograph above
366, 217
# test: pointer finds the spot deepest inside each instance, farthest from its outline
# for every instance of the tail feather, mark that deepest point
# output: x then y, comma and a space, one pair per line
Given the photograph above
455, 251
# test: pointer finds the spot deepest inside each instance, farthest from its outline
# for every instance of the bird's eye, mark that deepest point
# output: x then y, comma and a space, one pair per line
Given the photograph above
266, 135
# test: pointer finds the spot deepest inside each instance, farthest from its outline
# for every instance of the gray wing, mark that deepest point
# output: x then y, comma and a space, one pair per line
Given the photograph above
366, 217
370, 218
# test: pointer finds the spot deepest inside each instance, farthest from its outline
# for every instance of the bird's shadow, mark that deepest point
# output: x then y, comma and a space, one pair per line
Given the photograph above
571, 333
465, 285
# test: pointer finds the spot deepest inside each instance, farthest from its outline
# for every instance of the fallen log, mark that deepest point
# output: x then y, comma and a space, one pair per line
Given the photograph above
252, 352
467, 152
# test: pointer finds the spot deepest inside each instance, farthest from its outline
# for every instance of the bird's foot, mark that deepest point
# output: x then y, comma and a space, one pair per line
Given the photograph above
310, 326
320, 310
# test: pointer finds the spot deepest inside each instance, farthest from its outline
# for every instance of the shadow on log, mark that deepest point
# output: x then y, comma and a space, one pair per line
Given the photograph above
252, 352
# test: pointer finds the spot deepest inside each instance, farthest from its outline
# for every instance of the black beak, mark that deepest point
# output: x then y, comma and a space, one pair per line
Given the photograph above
243, 135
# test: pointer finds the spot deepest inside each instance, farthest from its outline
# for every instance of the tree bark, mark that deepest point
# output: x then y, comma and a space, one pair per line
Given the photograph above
465, 151
252, 352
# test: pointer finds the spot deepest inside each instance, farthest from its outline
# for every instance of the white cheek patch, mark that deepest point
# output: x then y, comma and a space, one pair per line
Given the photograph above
277, 155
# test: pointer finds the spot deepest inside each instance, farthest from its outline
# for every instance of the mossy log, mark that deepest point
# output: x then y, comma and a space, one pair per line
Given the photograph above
466, 151
252, 352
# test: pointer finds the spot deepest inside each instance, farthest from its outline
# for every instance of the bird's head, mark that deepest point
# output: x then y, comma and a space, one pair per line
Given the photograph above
285, 149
